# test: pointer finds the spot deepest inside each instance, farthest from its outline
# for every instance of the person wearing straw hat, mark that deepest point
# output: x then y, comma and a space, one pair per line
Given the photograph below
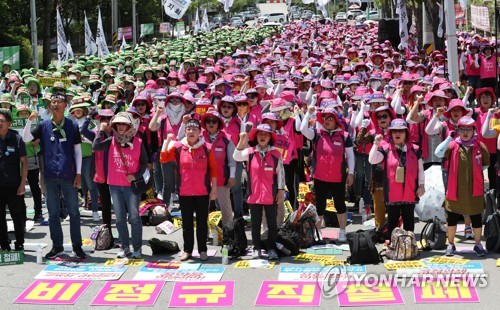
60, 143
197, 173
404, 173
466, 157
333, 153
266, 182
127, 162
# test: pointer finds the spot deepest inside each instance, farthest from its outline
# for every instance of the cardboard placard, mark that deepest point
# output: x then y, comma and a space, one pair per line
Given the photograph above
202, 274
289, 294
128, 293
244, 264
327, 259
206, 294
395, 265
11, 258
315, 273
53, 292
459, 291
97, 273
124, 262
357, 294
449, 260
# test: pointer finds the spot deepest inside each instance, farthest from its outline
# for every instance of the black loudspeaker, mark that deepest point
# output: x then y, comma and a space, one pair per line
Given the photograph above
388, 29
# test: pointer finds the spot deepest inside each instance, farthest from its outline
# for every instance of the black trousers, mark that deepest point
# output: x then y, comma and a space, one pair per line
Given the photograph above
492, 171
36, 192
406, 211
272, 225
9, 197
189, 205
452, 219
105, 195
325, 190
292, 181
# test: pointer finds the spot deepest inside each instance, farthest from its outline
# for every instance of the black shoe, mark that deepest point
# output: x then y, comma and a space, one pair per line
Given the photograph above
37, 217
18, 247
79, 253
55, 252
5, 248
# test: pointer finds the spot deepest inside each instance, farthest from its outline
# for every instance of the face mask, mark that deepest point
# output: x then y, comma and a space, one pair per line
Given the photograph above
389, 69
375, 85
175, 108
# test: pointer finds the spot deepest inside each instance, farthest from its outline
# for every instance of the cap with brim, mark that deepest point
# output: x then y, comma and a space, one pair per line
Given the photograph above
453, 104
326, 111
105, 113
79, 106
378, 97
252, 136
273, 117
439, 94
466, 121
278, 104
397, 124
175, 95
214, 114
110, 98
122, 118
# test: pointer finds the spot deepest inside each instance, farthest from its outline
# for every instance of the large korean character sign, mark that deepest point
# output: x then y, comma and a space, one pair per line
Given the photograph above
176, 8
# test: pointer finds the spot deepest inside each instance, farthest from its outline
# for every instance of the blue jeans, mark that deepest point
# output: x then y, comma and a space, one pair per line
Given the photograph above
237, 191
168, 173
125, 201
53, 190
88, 184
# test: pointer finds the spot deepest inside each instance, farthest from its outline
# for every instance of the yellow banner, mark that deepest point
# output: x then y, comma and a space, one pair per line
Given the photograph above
124, 261
326, 260
404, 265
49, 81
243, 264
449, 260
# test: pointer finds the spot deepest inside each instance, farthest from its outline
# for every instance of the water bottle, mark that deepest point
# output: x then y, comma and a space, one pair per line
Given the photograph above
362, 210
215, 238
39, 259
225, 256
282, 248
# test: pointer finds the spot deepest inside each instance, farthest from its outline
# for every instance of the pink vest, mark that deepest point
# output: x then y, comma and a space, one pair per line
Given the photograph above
193, 170
168, 128
219, 147
329, 156
233, 129
477, 170
418, 135
99, 176
470, 68
289, 131
401, 192
117, 173
144, 129
263, 180
488, 68
256, 111
491, 143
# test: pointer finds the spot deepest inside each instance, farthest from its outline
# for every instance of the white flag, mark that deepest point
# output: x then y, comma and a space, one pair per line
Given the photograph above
62, 52
178, 26
322, 3
205, 27
403, 23
463, 4
196, 23
440, 26
69, 51
307, 1
176, 8
90, 46
124, 43
102, 46
228, 4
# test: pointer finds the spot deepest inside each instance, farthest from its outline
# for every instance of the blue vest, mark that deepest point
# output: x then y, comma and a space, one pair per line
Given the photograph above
58, 156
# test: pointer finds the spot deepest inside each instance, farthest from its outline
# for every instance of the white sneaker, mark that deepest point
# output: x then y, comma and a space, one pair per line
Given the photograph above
96, 217
123, 253
342, 235
256, 254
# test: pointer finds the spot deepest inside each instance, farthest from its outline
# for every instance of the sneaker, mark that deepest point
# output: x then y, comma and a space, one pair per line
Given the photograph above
5, 248
37, 217
79, 253
18, 247
450, 250
137, 254
95, 217
468, 233
175, 197
203, 256
479, 250
123, 253
185, 256
272, 255
256, 254
342, 236
55, 252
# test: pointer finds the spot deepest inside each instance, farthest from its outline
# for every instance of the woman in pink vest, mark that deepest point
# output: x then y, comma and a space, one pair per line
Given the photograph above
466, 157
168, 119
333, 161
488, 67
223, 149
266, 183
404, 173
127, 162
197, 174
472, 69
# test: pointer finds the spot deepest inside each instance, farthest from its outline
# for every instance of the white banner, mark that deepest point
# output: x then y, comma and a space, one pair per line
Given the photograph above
227, 4
323, 3
205, 27
403, 23
69, 51
90, 46
480, 18
62, 52
124, 43
441, 18
196, 23
176, 8
102, 46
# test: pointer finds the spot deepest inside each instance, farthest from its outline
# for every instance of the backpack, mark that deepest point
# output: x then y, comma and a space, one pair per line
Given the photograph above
303, 222
363, 250
102, 237
490, 204
235, 238
153, 211
163, 246
403, 245
433, 235
492, 232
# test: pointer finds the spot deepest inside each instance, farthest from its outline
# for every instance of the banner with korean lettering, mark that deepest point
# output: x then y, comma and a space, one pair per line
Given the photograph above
285, 146
176, 8
480, 18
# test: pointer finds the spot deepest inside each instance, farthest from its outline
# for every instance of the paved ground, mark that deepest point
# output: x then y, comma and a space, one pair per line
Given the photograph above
247, 281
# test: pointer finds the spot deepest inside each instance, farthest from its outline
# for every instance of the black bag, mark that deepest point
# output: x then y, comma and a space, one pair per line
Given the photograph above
102, 237
290, 240
490, 202
433, 235
163, 246
492, 232
235, 238
140, 186
363, 250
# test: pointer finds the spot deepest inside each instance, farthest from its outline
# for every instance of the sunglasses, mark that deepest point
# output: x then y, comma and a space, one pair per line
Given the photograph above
211, 121
382, 116
328, 118
174, 100
398, 130
407, 83
242, 104
226, 106
253, 96
105, 118
465, 129
140, 104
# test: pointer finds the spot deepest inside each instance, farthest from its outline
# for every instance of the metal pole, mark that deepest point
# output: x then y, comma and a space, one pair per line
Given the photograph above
134, 23
34, 38
451, 38
114, 22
